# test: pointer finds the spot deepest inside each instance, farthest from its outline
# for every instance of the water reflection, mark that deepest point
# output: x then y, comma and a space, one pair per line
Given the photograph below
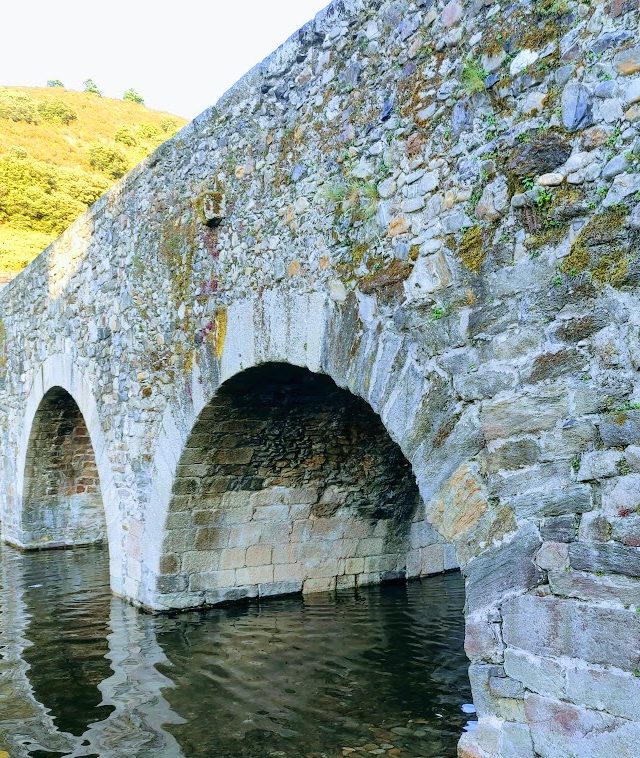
84, 674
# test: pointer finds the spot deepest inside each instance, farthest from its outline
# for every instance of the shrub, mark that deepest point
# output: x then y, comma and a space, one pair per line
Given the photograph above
57, 112
149, 131
169, 125
39, 197
133, 96
54, 83
108, 160
92, 87
17, 107
124, 136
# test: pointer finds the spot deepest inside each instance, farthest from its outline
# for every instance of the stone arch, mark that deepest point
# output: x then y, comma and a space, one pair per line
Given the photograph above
62, 503
377, 365
60, 400
289, 483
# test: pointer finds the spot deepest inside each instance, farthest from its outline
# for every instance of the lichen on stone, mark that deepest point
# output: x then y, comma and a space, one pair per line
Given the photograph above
472, 250
602, 248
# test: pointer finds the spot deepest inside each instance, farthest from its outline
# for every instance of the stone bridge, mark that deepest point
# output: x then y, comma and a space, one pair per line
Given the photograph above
373, 316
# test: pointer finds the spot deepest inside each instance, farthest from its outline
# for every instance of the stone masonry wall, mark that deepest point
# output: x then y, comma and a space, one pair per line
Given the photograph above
437, 206
289, 483
62, 501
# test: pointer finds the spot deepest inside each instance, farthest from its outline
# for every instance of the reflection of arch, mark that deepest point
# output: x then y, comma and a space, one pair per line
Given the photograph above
132, 692
61, 503
415, 407
59, 379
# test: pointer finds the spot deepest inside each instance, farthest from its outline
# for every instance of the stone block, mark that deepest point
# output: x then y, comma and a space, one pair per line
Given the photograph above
211, 580
586, 586
328, 528
238, 456
610, 557
229, 594
194, 561
232, 557
559, 528
610, 690
513, 454
515, 741
537, 673
552, 556
505, 686
553, 626
326, 584
285, 496
380, 563
523, 414
570, 499
280, 588
502, 570
421, 533
243, 535
290, 553
346, 582
354, 566
561, 729
258, 555
289, 572
236, 515
370, 546
627, 530
621, 429
486, 702
599, 464
172, 583
254, 575
211, 538
271, 513
432, 559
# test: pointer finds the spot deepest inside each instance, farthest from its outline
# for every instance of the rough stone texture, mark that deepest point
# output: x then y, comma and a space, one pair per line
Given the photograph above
368, 204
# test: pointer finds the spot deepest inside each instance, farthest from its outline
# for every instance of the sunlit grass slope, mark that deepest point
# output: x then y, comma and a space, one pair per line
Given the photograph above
59, 151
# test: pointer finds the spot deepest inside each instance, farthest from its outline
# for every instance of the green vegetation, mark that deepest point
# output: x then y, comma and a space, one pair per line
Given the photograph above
91, 87
133, 97
59, 151
54, 83
473, 76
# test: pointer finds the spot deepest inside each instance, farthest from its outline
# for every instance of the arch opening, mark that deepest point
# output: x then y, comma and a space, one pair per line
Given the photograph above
289, 483
62, 502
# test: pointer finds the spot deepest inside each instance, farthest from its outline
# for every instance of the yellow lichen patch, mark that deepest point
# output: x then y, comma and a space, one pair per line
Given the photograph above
612, 268
600, 248
472, 250
461, 503
293, 269
220, 331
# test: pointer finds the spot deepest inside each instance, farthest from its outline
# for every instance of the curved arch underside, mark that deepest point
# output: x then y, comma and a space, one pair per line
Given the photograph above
289, 483
62, 502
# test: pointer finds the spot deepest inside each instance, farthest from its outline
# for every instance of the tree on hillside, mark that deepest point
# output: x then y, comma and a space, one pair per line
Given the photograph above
92, 87
54, 83
133, 96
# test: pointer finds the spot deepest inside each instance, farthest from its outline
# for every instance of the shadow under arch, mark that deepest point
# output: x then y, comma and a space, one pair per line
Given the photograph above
62, 503
290, 483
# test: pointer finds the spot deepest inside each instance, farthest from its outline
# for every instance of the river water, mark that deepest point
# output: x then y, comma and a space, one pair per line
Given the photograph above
377, 672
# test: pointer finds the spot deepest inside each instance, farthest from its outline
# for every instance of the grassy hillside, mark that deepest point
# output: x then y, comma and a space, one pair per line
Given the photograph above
59, 151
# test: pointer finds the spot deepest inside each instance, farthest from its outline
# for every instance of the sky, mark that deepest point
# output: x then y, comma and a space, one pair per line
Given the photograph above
179, 55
